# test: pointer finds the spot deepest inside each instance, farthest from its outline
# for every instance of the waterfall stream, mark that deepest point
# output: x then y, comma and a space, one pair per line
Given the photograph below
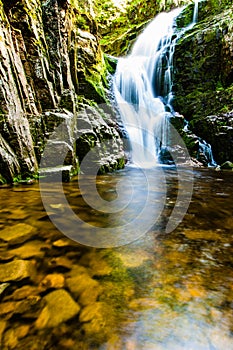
143, 87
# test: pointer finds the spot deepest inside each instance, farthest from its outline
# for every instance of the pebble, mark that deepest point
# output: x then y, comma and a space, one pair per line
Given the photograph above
92, 311
60, 307
31, 249
24, 292
8, 308
16, 270
77, 285
90, 295
55, 280
17, 234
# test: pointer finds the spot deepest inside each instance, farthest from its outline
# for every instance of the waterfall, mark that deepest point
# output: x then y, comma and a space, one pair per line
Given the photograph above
143, 87
195, 12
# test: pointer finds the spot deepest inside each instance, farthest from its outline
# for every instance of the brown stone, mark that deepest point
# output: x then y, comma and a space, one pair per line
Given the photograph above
24, 292
16, 270
60, 307
54, 280
77, 285
90, 295
17, 234
30, 249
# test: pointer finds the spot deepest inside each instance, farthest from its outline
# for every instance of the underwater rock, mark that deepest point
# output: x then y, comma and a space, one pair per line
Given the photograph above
16, 270
83, 283
60, 307
17, 234
54, 280
31, 249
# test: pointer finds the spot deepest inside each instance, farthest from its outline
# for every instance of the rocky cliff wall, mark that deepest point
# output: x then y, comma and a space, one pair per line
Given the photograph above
203, 79
50, 59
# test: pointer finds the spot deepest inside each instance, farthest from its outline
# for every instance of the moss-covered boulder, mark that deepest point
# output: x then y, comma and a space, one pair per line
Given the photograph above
203, 78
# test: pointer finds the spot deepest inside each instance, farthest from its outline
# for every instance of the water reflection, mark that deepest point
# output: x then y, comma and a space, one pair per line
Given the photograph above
163, 291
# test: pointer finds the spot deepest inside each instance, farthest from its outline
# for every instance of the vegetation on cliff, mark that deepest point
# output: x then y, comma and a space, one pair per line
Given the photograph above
203, 77
50, 61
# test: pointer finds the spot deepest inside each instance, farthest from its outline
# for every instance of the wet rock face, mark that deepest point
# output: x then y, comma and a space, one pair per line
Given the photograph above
203, 80
48, 59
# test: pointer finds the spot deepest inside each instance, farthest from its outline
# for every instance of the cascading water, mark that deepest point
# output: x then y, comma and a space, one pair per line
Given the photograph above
195, 12
143, 87
137, 87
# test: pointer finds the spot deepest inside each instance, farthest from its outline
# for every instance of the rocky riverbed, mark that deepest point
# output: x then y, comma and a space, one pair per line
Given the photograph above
151, 294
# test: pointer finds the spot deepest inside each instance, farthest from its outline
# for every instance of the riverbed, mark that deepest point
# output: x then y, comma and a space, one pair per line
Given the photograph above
154, 290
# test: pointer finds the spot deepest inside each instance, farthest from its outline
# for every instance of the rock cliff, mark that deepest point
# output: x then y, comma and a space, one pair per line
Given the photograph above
50, 60
203, 79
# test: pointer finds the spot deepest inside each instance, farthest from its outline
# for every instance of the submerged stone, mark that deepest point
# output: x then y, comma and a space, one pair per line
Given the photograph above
16, 270
25, 292
60, 307
93, 311
8, 308
90, 295
10, 339
17, 234
54, 280
30, 249
98, 321
80, 284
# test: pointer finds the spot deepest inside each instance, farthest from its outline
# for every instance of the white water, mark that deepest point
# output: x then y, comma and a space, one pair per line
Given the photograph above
195, 12
143, 87
137, 87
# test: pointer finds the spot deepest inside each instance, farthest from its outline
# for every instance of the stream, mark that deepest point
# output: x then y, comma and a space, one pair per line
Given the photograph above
162, 291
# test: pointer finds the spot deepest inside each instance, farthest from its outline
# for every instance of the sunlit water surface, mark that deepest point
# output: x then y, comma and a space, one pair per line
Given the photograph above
162, 291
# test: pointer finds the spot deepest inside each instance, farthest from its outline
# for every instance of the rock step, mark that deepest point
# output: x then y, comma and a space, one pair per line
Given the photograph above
57, 173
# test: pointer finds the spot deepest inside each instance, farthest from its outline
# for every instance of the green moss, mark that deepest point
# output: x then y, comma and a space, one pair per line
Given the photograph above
81, 22
97, 77
185, 17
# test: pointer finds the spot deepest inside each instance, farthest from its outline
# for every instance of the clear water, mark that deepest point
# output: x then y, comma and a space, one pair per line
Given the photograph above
162, 291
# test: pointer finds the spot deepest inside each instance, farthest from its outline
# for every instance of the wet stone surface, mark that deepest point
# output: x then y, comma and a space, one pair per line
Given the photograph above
151, 294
